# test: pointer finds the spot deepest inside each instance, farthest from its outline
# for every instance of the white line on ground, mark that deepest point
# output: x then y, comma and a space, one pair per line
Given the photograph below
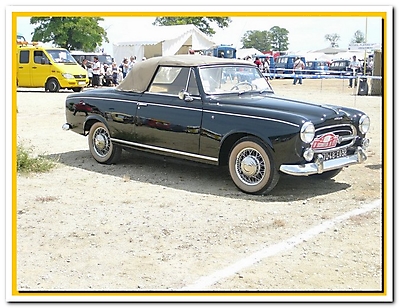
209, 280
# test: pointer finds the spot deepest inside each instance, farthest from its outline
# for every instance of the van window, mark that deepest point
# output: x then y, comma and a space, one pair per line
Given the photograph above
38, 55
24, 56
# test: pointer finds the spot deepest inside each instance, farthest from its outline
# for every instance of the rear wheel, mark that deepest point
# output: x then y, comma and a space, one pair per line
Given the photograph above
52, 85
251, 166
101, 147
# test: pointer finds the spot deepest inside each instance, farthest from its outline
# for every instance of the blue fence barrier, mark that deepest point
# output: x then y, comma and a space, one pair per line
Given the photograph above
314, 76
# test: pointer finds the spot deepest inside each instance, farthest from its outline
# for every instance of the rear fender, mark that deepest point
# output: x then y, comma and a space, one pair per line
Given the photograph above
90, 120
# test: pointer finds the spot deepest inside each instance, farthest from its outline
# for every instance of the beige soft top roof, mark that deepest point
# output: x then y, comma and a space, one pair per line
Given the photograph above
142, 72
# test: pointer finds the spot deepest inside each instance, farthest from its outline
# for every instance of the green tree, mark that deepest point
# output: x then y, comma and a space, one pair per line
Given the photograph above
202, 23
358, 37
256, 39
72, 33
279, 38
333, 38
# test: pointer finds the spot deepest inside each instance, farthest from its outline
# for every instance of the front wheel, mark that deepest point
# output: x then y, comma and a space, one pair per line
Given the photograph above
101, 147
52, 85
251, 166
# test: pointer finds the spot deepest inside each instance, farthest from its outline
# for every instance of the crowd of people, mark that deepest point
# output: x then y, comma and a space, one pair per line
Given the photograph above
103, 74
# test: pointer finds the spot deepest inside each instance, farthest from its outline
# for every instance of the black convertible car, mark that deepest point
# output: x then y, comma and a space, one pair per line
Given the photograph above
222, 112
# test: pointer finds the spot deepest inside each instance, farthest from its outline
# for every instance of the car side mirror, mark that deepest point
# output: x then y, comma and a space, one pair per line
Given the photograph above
184, 95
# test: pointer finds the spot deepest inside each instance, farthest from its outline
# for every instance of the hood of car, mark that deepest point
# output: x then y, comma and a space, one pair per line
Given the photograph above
283, 108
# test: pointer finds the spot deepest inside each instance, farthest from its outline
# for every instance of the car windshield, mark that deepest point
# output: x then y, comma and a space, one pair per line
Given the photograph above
233, 79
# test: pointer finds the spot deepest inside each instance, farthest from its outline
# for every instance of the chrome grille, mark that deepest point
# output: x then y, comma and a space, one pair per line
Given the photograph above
346, 132
81, 76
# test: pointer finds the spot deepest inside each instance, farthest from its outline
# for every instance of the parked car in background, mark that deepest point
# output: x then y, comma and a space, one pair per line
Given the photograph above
316, 67
218, 111
222, 51
340, 67
285, 64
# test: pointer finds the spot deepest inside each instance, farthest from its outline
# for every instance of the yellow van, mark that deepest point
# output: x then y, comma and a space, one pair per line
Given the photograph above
49, 68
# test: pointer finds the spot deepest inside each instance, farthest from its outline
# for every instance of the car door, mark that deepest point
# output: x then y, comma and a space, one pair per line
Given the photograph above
166, 122
23, 71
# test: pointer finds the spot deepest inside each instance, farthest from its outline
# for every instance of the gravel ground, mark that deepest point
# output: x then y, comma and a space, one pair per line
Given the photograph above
152, 223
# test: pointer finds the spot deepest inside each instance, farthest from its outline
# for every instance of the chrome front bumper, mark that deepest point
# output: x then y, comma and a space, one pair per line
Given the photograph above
320, 166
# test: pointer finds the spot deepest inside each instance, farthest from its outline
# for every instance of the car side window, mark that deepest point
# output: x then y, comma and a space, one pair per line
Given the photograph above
170, 80
192, 84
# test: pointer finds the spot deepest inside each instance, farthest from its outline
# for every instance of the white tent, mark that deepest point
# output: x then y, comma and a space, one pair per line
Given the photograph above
310, 56
348, 55
245, 52
331, 50
162, 41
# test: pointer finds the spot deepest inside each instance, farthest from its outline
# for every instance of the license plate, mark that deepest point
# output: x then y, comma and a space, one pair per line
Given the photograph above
334, 154
82, 83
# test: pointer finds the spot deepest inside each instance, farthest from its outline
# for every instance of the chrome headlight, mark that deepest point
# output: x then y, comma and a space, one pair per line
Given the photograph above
307, 132
68, 76
364, 124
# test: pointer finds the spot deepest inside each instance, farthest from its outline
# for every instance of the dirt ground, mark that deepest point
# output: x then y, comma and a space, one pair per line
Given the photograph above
152, 223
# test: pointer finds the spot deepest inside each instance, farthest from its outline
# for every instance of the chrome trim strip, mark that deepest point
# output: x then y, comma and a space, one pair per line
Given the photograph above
340, 126
251, 117
155, 148
320, 166
173, 95
107, 99
175, 107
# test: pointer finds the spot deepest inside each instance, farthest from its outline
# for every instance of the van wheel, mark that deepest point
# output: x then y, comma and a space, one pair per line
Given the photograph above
77, 89
252, 167
52, 85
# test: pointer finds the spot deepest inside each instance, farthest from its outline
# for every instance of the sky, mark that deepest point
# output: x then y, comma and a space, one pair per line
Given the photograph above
305, 33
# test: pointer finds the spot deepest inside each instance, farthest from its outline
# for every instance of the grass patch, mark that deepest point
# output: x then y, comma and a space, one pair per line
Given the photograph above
27, 164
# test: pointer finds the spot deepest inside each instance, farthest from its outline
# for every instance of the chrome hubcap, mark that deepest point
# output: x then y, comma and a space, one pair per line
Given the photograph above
101, 142
250, 166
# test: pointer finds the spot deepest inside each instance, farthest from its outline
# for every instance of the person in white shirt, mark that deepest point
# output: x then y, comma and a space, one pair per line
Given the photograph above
96, 66
120, 76
115, 69
107, 77
354, 66
299, 66
131, 63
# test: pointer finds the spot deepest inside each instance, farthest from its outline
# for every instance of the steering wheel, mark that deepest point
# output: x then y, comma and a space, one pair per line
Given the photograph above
244, 83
